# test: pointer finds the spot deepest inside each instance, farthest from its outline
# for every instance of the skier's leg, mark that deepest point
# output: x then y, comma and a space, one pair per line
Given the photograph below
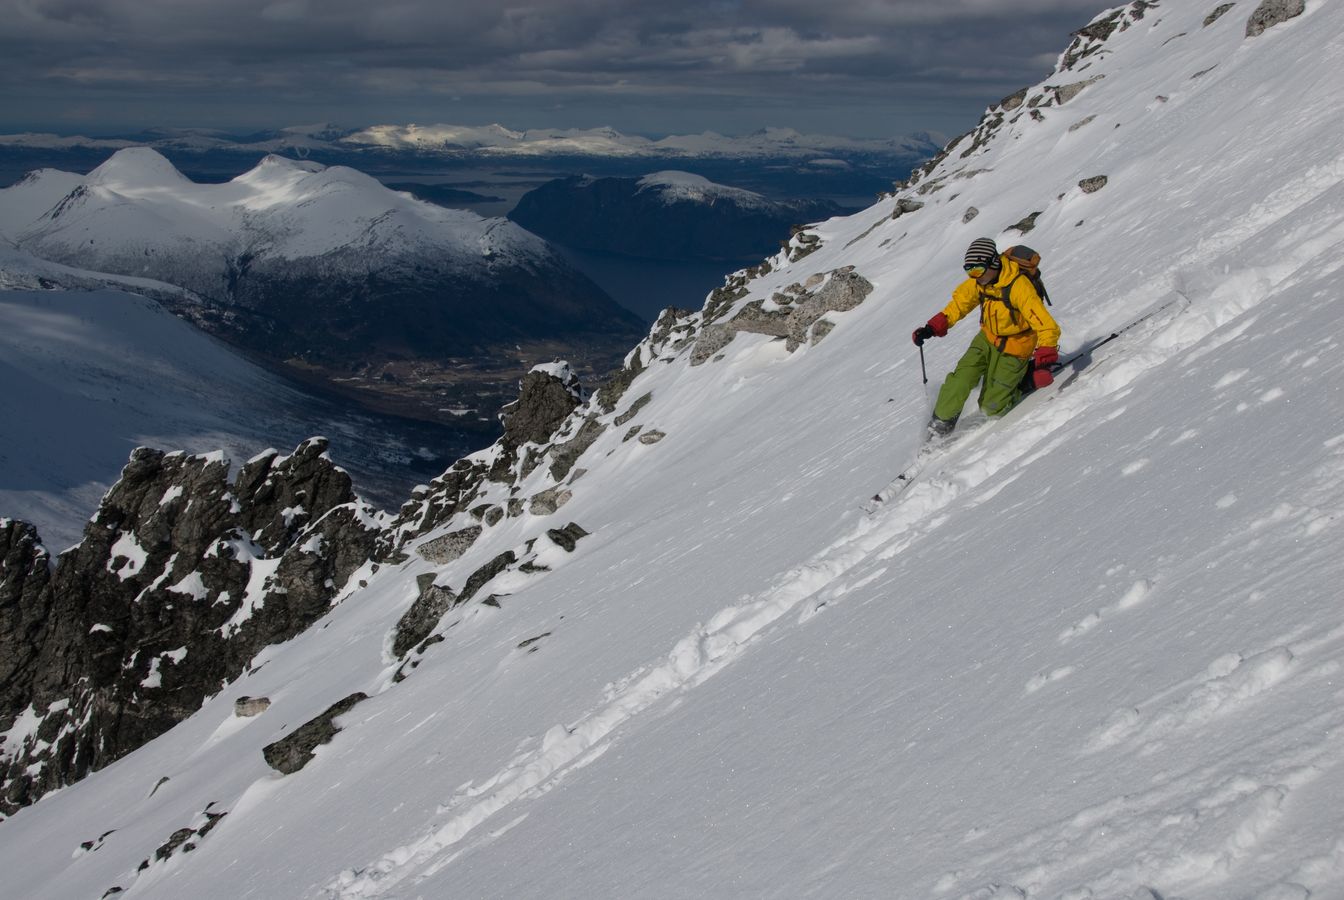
1003, 383
962, 380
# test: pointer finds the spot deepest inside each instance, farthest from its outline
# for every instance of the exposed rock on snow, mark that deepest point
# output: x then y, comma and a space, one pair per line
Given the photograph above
567, 538
1093, 184
448, 547
246, 707
548, 501
413, 627
482, 576
844, 290
1065, 93
545, 399
295, 750
906, 205
565, 453
1273, 12
1026, 224
1217, 13
634, 409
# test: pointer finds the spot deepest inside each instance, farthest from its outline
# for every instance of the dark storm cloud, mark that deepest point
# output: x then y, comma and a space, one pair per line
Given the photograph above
355, 58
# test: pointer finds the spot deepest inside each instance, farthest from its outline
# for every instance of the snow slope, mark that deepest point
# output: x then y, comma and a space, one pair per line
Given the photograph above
1094, 652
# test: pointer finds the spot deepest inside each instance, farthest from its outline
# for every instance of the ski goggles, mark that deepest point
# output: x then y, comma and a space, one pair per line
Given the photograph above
975, 271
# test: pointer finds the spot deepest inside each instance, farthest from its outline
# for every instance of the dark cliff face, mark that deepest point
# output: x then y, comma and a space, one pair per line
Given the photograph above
184, 575
617, 215
160, 603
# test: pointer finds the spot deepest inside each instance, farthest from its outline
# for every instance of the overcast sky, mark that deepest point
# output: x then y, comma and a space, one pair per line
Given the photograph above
863, 68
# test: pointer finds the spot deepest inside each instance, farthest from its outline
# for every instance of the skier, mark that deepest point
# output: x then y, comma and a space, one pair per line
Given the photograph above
1017, 333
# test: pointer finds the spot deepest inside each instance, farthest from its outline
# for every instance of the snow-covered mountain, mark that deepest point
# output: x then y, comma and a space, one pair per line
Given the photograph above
663, 215
322, 265
1093, 651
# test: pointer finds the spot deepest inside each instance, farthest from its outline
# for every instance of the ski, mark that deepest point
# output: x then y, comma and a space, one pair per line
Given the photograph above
897, 485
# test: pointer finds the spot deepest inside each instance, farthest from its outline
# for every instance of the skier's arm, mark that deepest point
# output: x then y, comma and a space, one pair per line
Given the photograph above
965, 298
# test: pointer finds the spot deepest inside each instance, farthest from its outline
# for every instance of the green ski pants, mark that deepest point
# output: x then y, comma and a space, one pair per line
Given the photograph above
999, 375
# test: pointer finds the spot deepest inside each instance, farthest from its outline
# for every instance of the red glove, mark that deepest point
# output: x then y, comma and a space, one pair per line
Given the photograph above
939, 325
1044, 358
1042, 378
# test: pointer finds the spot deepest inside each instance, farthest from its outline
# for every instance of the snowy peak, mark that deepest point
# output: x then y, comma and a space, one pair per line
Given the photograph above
675, 186
296, 208
136, 169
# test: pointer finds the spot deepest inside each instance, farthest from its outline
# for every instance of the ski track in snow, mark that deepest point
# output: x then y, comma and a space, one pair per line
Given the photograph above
958, 475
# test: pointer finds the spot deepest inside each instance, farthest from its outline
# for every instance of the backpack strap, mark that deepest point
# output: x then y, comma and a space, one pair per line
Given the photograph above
1005, 299
1039, 283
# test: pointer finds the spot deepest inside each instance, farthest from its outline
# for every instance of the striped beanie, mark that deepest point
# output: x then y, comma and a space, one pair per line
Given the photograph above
982, 252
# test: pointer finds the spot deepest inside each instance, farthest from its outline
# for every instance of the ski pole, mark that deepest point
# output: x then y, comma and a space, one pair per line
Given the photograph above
923, 371
1055, 367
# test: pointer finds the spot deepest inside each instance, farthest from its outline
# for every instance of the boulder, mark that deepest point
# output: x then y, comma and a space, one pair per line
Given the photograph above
246, 707
1273, 12
566, 538
449, 547
423, 616
295, 750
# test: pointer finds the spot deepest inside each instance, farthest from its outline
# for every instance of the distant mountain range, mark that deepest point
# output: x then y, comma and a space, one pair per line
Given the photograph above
322, 269
499, 141
666, 215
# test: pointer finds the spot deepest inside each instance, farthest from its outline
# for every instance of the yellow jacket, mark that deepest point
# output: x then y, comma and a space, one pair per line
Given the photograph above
1018, 330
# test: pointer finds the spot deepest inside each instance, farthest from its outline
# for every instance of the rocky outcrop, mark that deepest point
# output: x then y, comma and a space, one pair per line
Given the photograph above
184, 574
448, 547
567, 538
791, 315
1093, 184
160, 603
429, 606
25, 571
1026, 224
295, 750
546, 396
1217, 13
1273, 12
247, 707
